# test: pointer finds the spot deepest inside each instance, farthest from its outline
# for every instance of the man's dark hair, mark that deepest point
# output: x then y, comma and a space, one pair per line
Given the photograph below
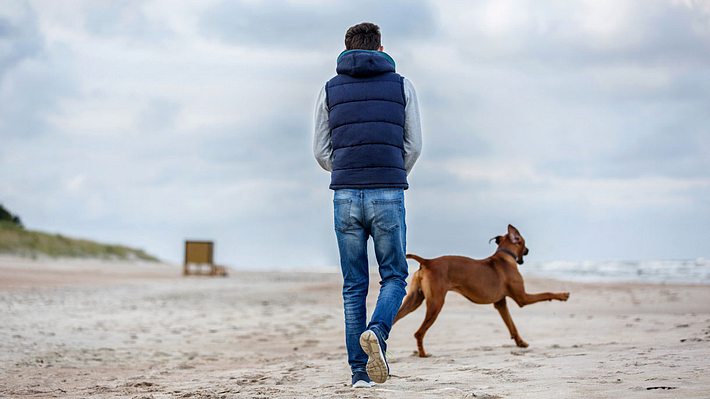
363, 36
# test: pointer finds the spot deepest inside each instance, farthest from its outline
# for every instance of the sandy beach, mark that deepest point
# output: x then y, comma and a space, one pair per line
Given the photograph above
103, 329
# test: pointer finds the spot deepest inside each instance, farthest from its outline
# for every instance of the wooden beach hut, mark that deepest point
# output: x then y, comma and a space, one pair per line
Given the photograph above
199, 259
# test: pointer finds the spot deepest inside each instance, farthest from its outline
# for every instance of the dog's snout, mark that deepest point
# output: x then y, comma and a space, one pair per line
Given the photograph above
527, 250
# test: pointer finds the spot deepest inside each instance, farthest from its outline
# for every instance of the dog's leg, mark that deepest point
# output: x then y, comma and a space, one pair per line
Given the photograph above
433, 307
414, 298
517, 292
528, 299
502, 308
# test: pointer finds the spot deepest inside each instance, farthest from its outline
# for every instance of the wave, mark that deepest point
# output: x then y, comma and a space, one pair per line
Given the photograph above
695, 271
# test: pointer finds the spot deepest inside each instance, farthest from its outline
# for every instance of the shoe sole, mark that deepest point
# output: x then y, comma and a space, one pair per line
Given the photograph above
363, 384
376, 364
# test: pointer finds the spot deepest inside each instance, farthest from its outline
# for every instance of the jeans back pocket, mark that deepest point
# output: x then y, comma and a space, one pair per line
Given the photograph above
387, 214
341, 213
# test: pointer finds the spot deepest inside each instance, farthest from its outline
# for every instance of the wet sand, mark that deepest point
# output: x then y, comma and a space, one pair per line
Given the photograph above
109, 329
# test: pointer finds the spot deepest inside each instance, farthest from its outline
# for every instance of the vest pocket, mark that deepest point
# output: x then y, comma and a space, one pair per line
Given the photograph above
342, 214
388, 214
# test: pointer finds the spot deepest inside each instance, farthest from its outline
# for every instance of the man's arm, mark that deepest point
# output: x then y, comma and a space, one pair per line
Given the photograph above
412, 127
322, 146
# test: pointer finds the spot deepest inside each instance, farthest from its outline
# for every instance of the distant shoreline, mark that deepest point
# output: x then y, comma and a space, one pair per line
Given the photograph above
689, 271
41, 271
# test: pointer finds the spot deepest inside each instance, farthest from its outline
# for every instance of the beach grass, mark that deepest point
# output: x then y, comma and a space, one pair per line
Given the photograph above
17, 240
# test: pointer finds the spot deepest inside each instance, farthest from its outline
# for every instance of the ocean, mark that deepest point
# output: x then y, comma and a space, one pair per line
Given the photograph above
686, 271
695, 271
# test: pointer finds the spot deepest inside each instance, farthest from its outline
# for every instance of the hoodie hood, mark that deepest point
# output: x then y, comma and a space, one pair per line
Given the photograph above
361, 63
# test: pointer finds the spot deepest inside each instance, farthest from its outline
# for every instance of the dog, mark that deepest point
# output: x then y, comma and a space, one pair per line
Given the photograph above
483, 281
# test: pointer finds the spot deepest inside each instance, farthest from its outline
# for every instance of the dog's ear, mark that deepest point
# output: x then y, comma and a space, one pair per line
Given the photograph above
497, 238
514, 234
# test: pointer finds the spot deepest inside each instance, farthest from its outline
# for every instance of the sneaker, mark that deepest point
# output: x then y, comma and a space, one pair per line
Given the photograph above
361, 380
377, 367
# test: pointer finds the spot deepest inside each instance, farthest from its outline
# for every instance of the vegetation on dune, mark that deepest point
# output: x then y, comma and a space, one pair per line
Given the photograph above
16, 240
6, 216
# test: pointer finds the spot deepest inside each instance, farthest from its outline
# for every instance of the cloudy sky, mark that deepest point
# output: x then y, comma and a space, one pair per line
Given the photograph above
584, 123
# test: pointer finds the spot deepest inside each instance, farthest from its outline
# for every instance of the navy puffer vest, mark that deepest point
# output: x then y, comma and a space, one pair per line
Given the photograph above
366, 117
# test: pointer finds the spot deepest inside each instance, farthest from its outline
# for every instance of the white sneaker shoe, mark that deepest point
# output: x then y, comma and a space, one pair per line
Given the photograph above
363, 384
361, 380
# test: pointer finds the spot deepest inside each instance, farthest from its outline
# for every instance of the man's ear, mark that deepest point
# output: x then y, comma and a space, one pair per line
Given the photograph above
382, 48
513, 234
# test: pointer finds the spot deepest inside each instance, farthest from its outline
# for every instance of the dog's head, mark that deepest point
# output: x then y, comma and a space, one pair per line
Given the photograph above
514, 242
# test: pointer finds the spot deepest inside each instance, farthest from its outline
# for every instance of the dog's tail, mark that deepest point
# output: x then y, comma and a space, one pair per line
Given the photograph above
414, 297
419, 259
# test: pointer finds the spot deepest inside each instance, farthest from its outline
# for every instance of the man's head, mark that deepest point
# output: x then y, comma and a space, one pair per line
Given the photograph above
363, 36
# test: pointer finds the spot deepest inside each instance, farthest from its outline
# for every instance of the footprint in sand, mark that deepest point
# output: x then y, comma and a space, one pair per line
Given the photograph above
482, 396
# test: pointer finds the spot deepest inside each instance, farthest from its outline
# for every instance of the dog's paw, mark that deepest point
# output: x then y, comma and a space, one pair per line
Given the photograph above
564, 296
521, 344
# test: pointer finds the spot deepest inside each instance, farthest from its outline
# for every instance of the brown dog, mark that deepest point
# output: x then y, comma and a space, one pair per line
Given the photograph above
482, 281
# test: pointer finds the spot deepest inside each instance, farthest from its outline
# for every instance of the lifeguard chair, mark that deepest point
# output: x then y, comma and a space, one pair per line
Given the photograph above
198, 256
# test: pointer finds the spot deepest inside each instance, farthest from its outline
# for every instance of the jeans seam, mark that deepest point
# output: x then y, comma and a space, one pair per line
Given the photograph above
362, 203
387, 201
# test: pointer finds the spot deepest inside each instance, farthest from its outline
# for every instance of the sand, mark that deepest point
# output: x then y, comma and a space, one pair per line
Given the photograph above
109, 329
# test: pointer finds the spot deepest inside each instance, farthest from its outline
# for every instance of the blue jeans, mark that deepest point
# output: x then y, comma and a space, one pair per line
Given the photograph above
359, 214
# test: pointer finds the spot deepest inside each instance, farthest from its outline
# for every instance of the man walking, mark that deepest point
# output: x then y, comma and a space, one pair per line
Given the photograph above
368, 135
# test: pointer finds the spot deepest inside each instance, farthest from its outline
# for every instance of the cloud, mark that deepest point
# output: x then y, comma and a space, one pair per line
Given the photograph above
30, 84
595, 89
125, 20
19, 38
311, 26
159, 114
584, 124
588, 32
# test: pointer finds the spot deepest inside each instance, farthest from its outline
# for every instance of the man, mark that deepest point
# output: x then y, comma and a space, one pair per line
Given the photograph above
368, 135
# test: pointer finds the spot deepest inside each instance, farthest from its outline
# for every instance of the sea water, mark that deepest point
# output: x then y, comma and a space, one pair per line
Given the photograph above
695, 271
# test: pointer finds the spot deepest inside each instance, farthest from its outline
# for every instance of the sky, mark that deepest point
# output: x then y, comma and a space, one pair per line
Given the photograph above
585, 124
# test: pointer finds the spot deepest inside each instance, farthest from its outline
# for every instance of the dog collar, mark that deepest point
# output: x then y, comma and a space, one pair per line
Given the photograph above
509, 252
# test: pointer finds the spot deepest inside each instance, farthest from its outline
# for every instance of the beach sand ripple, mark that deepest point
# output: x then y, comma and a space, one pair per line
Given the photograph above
106, 329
